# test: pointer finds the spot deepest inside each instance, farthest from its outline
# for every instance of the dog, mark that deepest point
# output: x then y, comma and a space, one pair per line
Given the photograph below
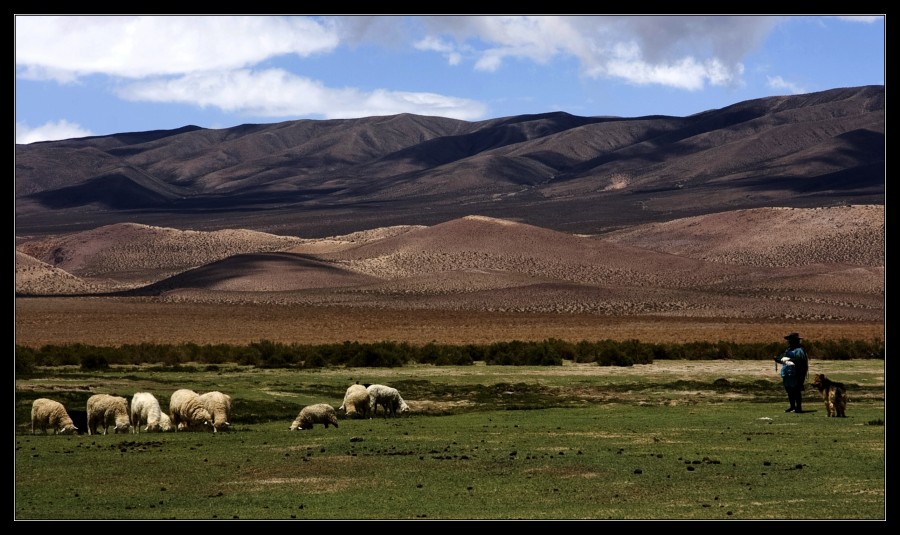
833, 393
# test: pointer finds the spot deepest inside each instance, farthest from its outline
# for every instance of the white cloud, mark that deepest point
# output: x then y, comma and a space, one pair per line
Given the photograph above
536, 39
684, 52
49, 131
278, 93
218, 61
687, 74
779, 83
65, 47
446, 48
626, 62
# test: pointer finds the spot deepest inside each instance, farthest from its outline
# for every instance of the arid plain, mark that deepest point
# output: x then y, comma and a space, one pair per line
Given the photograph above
743, 275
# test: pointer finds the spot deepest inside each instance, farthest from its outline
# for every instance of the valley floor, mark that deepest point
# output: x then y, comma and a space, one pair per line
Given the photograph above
117, 321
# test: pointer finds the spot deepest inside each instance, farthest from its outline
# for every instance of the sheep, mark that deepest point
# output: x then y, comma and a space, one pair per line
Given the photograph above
145, 410
49, 413
320, 413
165, 423
219, 406
106, 410
356, 401
387, 397
187, 411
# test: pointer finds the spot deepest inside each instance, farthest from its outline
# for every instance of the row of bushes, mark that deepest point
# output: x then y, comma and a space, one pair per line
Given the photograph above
550, 352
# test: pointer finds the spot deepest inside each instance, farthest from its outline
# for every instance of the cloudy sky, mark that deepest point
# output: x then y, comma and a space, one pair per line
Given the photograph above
80, 76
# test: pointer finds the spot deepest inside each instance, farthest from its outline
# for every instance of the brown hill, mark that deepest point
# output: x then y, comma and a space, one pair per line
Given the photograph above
260, 273
34, 277
138, 254
766, 263
478, 243
770, 236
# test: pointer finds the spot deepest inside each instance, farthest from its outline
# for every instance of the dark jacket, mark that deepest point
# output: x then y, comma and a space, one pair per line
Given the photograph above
794, 376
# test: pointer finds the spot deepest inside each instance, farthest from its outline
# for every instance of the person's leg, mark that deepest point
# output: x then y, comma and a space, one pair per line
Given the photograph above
790, 394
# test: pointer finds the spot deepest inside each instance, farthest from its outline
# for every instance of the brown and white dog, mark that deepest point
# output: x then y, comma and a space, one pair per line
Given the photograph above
833, 393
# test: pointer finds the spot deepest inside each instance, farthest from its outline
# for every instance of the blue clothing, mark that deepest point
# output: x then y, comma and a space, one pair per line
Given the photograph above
794, 376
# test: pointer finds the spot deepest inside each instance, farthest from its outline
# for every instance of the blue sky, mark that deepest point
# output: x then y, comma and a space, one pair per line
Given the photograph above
80, 76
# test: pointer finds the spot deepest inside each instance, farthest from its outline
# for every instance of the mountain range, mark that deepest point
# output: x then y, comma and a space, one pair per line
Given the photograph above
767, 209
585, 175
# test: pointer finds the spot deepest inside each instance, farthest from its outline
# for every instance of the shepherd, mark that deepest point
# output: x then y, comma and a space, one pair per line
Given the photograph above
794, 367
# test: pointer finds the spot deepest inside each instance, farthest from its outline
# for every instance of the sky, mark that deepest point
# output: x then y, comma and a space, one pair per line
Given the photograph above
82, 76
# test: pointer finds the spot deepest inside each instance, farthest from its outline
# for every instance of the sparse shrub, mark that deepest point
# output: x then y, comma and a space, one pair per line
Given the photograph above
25, 360
613, 356
550, 352
844, 349
444, 355
94, 362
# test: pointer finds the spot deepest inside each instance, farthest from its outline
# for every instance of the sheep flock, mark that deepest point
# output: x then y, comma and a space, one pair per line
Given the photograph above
191, 411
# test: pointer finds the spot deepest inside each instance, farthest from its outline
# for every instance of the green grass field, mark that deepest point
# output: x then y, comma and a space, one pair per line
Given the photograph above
671, 440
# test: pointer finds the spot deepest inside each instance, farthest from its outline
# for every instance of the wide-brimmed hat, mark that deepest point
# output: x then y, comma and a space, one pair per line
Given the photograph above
792, 336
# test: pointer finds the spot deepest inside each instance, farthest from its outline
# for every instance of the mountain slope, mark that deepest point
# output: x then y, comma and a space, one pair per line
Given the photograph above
554, 170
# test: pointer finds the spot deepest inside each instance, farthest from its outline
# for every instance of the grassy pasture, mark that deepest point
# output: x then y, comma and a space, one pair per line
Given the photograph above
670, 440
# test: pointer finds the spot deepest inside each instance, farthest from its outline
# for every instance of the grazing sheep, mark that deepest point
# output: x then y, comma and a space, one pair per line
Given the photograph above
320, 413
145, 410
387, 397
165, 423
49, 413
356, 402
187, 411
219, 406
106, 410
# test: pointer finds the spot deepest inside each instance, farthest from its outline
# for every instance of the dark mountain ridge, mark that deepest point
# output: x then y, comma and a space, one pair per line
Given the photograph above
574, 174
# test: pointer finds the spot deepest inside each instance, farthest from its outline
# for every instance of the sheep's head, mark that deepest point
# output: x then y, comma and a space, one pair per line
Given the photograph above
152, 428
165, 423
123, 423
68, 430
304, 423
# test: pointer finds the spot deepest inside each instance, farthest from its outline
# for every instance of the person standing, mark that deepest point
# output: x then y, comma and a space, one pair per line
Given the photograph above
794, 367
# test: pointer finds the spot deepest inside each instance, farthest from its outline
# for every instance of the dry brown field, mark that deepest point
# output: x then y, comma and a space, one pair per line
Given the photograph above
116, 321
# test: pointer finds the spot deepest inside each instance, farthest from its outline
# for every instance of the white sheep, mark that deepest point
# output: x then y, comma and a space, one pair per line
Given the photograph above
320, 413
187, 411
165, 423
145, 410
219, 407
49, 413
356, 401
387, 397
104, 410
